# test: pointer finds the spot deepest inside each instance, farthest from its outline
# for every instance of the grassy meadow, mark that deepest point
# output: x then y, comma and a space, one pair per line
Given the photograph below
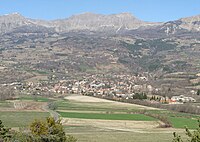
21, 119
135, 117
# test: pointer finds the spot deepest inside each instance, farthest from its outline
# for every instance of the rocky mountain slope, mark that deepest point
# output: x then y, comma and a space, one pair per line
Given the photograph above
12, 21
86, 21
97, 22
185, 27
115, 23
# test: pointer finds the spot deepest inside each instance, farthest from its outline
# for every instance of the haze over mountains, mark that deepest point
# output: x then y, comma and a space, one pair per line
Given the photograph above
116, 23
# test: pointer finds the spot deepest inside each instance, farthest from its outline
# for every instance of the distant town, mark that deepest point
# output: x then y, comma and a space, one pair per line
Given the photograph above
116, 87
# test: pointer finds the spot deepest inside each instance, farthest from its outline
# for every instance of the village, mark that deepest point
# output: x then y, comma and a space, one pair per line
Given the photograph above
115, 87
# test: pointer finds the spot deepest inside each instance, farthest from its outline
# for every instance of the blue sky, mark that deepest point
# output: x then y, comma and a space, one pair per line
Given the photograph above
147, 10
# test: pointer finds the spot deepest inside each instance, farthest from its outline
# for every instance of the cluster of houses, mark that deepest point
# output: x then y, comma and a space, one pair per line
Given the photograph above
177, 100
118, 85
115, 86
182, 99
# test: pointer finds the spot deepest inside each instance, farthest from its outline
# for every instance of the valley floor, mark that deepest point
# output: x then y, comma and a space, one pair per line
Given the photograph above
99, 130
97, 120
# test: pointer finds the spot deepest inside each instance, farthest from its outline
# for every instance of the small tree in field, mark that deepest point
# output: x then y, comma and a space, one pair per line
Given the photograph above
50, 131
5, 134
198, 92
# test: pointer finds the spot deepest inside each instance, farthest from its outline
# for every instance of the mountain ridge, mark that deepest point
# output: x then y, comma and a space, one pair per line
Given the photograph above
98, 22
85, 21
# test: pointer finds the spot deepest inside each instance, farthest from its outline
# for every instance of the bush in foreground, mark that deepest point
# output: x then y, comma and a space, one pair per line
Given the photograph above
193, 136
39, 131
5, 134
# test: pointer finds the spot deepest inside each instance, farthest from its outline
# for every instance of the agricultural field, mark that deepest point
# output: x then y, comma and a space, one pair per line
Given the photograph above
135, 117
5, 104
22, 111
34, 98
182, 122
21, 118
92, 119
124, 136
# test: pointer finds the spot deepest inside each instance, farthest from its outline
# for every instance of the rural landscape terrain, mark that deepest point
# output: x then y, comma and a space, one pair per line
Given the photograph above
108, 78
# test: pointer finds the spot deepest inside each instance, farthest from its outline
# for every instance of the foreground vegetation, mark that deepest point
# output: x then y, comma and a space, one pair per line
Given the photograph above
39, 131
193, 136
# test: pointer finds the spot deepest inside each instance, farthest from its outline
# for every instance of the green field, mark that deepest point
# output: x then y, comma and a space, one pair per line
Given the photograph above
34, 98
181, 122
5, 104
136, 117
110, 111
21, 119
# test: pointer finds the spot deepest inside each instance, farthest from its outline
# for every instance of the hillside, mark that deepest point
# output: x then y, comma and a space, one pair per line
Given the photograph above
167, 54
